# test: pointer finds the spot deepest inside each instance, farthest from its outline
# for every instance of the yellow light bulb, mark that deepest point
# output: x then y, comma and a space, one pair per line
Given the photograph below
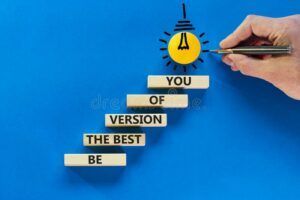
184, 48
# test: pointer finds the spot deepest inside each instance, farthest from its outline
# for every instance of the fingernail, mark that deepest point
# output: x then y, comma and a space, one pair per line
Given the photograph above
221, 43
234, 68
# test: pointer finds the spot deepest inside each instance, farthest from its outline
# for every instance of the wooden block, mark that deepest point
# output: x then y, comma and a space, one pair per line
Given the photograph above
158, 100
135, 120
116, 139
184, 82
90, 160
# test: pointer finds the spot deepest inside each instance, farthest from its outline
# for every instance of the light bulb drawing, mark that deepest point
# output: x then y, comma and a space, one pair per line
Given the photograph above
183, 46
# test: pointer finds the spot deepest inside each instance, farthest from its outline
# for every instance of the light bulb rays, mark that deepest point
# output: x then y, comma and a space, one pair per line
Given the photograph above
164, 48
183, 44
163, 41
166, 33
201, 35
203, 43
182, 47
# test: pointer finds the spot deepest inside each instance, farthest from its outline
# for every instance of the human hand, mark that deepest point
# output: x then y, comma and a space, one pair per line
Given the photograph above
282, 71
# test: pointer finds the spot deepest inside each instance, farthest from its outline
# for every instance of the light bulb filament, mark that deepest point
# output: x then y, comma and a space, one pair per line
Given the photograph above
183, 45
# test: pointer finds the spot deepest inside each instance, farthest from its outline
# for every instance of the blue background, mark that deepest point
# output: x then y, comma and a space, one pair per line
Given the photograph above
64, 64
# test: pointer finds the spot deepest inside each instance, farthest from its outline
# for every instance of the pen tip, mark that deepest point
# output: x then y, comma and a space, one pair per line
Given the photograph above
213, 51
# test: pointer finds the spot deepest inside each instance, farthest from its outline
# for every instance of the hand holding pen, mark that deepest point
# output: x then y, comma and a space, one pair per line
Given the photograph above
282, 66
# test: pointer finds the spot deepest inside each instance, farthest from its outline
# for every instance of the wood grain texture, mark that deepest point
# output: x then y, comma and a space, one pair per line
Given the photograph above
184, 82
115, 139
97, 160
157, 100
136, 120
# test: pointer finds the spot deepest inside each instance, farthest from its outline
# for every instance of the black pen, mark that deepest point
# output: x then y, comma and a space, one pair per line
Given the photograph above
256, 50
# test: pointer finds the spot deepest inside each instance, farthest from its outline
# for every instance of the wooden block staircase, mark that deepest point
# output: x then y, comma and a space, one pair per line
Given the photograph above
136, 120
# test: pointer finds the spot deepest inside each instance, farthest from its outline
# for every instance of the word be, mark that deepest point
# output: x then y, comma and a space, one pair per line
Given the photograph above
109, 159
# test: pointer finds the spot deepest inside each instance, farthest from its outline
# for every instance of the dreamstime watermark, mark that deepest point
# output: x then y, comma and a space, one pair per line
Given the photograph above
104, 103
116, 104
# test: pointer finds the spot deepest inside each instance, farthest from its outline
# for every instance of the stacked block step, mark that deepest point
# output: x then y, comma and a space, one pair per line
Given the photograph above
116, 139
183, 82
158, 101
89, 160
136, 120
